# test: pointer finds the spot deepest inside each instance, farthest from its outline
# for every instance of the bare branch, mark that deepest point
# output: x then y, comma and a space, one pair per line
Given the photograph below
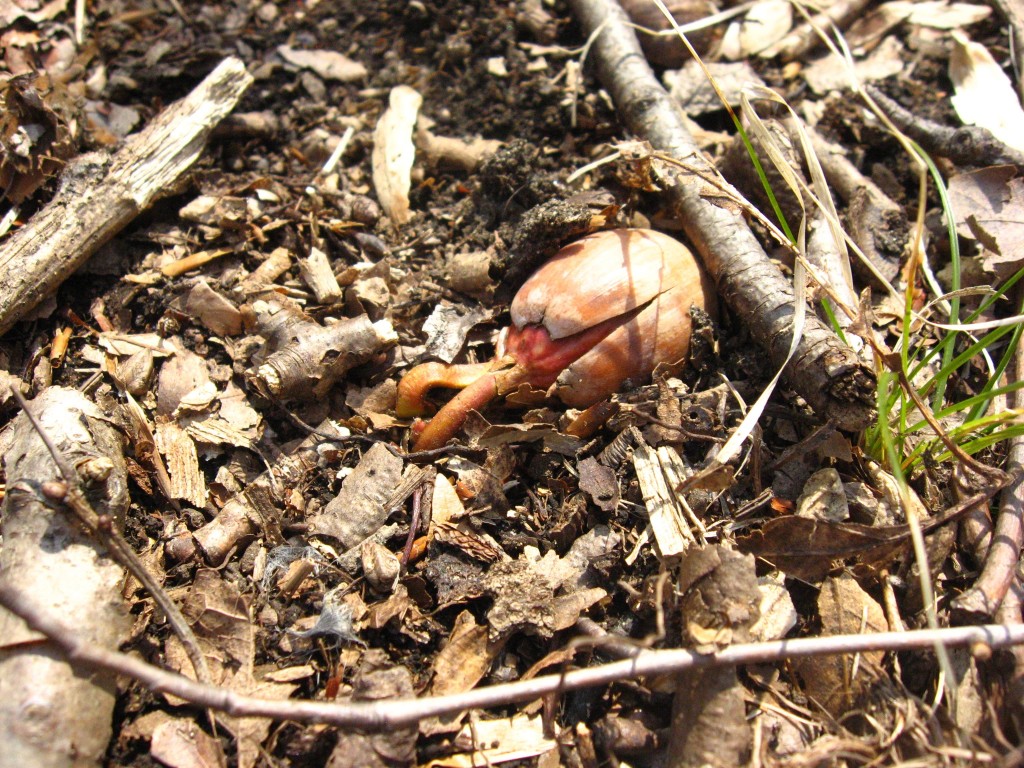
379, 715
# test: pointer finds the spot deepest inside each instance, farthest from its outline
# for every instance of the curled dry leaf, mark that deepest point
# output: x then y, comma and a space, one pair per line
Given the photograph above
984, 95
394, 152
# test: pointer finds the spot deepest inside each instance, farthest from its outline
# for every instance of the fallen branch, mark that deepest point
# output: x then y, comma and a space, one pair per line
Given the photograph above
1000, 568
100, 195
824, 371
379, 715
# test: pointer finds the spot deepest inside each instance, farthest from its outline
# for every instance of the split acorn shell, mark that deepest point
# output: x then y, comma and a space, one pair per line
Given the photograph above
644, 278
605, 311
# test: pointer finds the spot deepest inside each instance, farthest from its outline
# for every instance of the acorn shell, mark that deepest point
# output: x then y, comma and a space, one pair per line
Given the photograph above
609, 274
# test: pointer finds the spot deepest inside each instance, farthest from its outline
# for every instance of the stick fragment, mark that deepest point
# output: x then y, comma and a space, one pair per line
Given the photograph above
100, 195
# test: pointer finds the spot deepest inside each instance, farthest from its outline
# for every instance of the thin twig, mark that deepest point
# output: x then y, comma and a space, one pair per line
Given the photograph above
397, 713
115, 543
1000, 568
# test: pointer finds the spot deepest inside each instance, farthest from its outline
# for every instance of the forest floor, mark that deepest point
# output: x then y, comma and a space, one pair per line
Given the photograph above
246, 332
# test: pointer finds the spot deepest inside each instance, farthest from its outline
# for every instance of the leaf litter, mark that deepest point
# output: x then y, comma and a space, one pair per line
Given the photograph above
317, 255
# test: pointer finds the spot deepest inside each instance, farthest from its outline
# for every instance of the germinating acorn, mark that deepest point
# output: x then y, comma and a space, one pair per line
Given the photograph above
604, 310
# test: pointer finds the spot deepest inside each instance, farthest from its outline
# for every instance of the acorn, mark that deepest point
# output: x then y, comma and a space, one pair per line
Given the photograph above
605, 310
667, 51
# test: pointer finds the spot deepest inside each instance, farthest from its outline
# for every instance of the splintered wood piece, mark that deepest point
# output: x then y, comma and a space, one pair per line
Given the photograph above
178, 449
99, 195
670, 530
316, 271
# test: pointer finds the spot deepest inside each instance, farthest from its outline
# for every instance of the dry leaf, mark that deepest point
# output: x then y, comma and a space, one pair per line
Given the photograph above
599, 483
777, 613
213, 310
465, 658
330, 65
984, 95
844, 609
491, 742
394, 152
823, 497
765, 23
219, 617
690, 87
809, 549
831, 73
447, 328
989, 207
183, 744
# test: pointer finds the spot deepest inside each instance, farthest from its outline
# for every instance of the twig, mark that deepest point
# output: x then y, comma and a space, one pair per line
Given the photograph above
968, 145
824, 371
1000, 568
70, 495
99, 195
397, 713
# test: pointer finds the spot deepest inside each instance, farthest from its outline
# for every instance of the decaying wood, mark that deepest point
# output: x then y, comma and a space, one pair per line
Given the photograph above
824, 371
670, 530
49, 714
250, 510
99, 195
305, 359
719, 605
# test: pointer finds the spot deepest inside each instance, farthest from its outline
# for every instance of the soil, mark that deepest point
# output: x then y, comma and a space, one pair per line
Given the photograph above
527, 487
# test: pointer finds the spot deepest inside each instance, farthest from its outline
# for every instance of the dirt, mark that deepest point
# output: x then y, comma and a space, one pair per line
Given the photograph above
483, 70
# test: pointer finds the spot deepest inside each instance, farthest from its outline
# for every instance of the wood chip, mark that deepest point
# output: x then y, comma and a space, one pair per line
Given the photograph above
670, 531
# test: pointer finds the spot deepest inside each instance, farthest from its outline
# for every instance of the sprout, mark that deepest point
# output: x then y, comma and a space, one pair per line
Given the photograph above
604, 310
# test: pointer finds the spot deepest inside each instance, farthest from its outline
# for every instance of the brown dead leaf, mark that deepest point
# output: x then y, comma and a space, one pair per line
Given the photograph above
491, 742
377, 680
844, 608
599, 483
219, 617
810, 549
181, 743
989, 206
459, 666
38, 132
179, 375
213, 310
